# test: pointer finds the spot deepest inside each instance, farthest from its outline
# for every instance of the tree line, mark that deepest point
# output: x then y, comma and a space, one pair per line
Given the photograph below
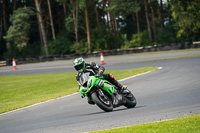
33, 28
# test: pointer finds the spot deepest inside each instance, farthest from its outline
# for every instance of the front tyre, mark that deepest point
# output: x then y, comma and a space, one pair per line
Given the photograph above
102, 102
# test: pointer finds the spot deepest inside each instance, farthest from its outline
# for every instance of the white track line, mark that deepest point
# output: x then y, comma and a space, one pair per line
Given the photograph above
139, 75
73, 94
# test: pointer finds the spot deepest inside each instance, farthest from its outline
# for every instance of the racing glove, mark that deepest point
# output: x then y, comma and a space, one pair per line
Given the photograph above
99, 74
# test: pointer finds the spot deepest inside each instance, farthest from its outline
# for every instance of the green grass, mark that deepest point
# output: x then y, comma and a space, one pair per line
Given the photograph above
17, 91
187, 124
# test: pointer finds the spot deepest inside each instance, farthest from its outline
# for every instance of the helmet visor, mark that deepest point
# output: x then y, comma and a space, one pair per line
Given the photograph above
79, 66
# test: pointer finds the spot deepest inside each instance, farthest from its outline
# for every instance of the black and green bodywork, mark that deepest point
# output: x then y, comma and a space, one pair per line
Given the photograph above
97, 82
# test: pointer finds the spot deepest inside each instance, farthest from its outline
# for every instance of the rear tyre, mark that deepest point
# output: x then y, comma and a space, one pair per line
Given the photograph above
130, 100
103, 103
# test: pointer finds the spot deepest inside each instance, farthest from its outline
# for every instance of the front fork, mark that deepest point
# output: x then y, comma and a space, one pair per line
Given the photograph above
102, 95
83, 95
99, 91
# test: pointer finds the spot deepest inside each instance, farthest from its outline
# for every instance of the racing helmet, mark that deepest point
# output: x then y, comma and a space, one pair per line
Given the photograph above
79, 64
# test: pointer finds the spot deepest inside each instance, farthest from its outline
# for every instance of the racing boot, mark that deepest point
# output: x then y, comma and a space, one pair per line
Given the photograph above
119, 99
119, 86
90, 101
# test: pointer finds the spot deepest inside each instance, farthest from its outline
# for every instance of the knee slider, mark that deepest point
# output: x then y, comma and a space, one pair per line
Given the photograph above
111, 76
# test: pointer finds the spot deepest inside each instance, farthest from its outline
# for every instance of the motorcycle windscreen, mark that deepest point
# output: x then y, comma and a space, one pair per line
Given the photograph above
83, 79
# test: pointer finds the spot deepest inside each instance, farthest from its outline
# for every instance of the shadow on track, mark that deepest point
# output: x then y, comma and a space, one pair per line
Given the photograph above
115, 110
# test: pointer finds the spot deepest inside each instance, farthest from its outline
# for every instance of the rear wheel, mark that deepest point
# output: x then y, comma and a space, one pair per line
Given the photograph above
102, 102
130, 100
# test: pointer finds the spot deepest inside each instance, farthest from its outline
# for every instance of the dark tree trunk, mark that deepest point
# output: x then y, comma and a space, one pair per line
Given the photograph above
96, 12
138, 23
51, 20
5, 15
76, 21
111, 22
153, 23
148, 21
105, 14
59, 19
115, 23
1, 22
64, 8
88, 27
14, 5
75, 17
161, 13
41, 24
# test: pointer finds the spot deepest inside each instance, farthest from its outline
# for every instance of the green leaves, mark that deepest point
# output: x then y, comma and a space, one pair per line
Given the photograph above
18, 31
137, 40
185, 14
62, 44
123, 7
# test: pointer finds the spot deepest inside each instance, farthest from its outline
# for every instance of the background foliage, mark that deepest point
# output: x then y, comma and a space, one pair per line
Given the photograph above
112, 24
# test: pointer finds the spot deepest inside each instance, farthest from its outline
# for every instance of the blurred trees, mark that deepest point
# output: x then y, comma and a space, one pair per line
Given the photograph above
186, 15
33, 28
18, 33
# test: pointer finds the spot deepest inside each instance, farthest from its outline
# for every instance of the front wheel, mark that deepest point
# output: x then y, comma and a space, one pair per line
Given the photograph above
102, 102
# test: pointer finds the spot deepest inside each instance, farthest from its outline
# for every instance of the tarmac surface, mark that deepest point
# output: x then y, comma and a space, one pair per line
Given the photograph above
164, 94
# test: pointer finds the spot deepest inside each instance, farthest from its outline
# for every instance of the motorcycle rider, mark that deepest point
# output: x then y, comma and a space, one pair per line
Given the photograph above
95, 70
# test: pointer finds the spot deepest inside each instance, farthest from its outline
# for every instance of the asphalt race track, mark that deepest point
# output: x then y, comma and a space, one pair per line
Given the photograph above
173, 91
112, 62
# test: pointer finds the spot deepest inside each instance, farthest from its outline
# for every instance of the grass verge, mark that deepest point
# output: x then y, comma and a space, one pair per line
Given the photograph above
187, 124
17, 91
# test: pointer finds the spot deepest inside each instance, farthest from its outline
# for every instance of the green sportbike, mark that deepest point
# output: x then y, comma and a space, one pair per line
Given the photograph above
104, 94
